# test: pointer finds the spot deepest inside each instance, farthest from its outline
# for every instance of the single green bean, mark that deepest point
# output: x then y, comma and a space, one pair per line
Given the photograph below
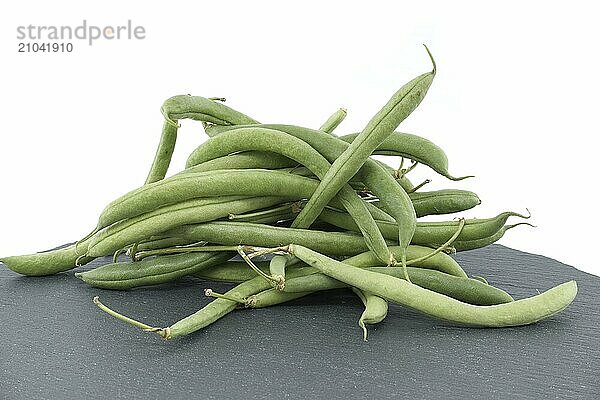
160, 242
471, 291
231, 271
520, 312
151, 271
400, 106
192, 107
464, 245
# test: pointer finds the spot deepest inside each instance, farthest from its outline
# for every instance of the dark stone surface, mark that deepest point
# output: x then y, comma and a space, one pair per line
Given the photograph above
57, 344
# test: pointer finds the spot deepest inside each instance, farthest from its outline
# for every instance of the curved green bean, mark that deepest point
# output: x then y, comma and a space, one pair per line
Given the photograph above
415, 148
192, 107
464, 245
520, 312
467, 290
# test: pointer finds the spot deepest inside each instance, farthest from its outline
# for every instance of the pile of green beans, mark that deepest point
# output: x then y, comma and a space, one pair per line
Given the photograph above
284, 211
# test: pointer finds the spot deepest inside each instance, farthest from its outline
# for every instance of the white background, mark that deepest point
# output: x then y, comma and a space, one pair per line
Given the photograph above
514, 102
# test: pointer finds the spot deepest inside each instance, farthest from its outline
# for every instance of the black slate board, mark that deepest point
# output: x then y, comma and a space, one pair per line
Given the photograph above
57, 344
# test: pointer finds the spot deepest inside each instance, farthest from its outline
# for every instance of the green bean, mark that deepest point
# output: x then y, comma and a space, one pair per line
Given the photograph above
209, 313
415, 148
376, 310
441, 262
152, 271
47, 262
439, 232
123, 233
446, 201
334, 121
467, 290
235, 233
464, 245
520, 312
400, 106
202, 109
247, 182
192, 107
263, 139
430, 233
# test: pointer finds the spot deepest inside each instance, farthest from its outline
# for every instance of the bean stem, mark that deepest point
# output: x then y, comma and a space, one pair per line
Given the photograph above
277, 281
164, 332
211, 293
461, 225
176, 250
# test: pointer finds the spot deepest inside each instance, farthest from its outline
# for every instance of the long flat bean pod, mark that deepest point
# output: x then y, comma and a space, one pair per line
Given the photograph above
520, 312
231, 271
272, 297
